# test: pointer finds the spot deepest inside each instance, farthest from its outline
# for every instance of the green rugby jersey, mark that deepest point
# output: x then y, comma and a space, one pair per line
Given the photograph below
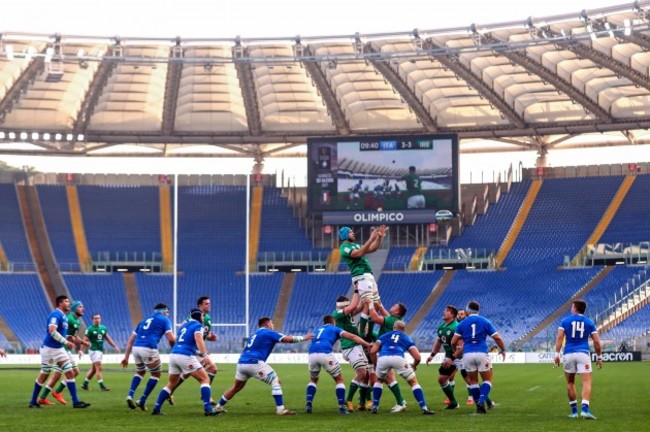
445, 333
346, 322
96, 335
357, 266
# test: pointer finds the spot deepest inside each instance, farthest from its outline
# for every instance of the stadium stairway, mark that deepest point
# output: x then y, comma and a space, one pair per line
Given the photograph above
4, 263
131, 287
78, 228
7, 332
166, 245
566, 306
334, 260
431, 299
281, 306
255, 225
518, 223
416, 259
43, 241
607, 217
32, 239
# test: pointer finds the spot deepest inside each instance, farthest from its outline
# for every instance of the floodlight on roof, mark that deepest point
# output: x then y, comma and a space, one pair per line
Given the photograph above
58, 137
80, 137
81, 52
35, 136
12, 135
46, 136
29, 52
23, 136
49, 53
2, 135
69, 137
627, 27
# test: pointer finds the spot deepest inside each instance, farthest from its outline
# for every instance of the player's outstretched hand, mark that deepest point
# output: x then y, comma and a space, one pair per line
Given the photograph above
124, 363
308, 336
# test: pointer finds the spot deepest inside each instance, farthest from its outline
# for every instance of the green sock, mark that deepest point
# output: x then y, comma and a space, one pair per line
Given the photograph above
452, 384
60, 387
85, 383
211, 376
101, 384
394, 387
363, 394
449, 392
352, 390
469, 392
45, 392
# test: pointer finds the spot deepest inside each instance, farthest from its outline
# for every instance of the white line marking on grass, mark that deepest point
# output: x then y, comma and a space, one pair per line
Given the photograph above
533, 388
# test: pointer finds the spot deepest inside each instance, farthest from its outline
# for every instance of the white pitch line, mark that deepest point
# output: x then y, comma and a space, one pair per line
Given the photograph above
533, 388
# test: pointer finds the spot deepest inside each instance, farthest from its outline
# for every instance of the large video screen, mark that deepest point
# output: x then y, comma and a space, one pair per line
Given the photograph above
389, 179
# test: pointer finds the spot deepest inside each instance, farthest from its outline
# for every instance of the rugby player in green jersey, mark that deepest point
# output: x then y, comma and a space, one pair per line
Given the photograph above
96, 334
74, 324
352, 351
354, 256
446, 375
386, 321
414, 190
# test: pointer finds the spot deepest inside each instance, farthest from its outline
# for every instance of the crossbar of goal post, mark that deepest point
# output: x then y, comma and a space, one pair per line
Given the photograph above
247, 264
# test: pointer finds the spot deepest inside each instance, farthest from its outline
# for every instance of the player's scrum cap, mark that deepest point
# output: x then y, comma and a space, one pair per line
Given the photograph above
75, 305
196, 314
344, 233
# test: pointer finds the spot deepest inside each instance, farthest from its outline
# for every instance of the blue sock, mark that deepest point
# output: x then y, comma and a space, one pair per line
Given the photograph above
311, 392
419, 396
574, 407
340, 393
223, 401
151, 384
377, 390
37, 390
476, 392
585, 406
278, 400
485, 390
135, 382
162, 397
72, 388
206, 393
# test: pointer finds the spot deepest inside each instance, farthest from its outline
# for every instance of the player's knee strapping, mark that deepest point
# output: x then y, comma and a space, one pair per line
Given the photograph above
156, 369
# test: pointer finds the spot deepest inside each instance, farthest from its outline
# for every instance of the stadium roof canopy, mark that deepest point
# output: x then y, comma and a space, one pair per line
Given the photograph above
565, 81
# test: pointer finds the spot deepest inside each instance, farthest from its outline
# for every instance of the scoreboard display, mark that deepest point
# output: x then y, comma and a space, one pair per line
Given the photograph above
389, 179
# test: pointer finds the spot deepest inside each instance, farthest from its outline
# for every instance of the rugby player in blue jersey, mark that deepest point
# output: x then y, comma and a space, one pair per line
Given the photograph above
576, 329
388, 352
252, 364
53, 354
474, 331
143, 343
320, 356
185, 358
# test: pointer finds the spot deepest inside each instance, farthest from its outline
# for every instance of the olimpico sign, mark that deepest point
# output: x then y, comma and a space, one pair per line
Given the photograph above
374, 217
